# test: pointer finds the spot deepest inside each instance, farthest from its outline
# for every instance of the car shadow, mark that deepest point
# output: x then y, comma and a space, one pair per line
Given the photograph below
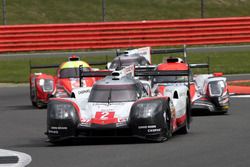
42, 143
21, 107
98, 141
199, 113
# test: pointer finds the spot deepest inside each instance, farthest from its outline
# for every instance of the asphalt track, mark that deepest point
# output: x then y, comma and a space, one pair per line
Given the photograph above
215, 140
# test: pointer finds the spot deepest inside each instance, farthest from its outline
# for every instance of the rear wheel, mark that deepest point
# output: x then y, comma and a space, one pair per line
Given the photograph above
186, 127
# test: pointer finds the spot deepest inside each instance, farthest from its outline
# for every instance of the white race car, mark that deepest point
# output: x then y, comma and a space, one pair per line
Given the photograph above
119, 105
211, 93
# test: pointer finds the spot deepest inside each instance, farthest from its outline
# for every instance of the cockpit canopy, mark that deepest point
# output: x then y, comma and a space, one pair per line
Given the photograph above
71, 72
108, 94
70, 69
126, 89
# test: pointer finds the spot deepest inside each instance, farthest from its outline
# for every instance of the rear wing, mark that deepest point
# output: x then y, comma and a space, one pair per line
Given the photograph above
169, 51
127, 71
144, 52
147, 52
202, 65
143, 72
161, 73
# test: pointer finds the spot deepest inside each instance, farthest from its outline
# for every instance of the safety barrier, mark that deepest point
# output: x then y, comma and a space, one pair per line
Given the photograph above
104, 35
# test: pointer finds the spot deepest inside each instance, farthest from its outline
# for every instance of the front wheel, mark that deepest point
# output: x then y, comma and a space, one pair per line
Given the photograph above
168, 127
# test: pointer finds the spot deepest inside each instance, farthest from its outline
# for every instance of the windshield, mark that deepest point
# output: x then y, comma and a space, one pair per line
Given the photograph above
216, 88
108, 94
71, 72
170, 79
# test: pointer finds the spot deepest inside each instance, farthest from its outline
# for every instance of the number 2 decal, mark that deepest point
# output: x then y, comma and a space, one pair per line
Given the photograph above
104, 115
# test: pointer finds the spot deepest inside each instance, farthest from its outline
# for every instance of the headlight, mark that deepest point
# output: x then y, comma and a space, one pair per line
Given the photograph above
147, 109
47, 85
41, 82
59, 110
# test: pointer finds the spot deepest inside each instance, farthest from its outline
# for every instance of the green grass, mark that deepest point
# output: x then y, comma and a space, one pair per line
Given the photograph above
17, 70
69, 11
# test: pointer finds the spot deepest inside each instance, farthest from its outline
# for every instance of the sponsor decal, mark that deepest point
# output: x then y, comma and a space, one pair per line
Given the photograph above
83, 91
85, 124
147, 127
154, 130
105, 118
104, 115
53, 131
59, 128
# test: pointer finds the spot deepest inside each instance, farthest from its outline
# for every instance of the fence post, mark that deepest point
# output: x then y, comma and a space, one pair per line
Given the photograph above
4, 12
103, 10
202, 8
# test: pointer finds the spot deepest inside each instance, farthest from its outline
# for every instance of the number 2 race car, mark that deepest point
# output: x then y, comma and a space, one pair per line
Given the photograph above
44, 86
119, 105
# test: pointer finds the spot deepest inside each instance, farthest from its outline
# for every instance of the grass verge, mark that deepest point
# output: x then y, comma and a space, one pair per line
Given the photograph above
17, 70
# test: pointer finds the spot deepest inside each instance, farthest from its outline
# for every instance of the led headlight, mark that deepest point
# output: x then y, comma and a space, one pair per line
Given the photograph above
61, 110
147, 109
47, 85
41, 82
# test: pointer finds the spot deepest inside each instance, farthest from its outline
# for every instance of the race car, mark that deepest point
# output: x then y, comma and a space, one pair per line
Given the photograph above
211, 93
202, 87
208, 92
118, 105
44, 86
140, 56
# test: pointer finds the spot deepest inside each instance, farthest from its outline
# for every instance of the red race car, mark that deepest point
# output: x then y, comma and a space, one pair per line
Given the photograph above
43, 86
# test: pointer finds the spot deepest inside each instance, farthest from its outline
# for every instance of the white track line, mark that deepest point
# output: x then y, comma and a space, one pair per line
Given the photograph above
23, 159
240, 96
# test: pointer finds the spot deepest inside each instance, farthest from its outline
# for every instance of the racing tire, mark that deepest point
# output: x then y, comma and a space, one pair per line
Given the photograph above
33, 103
40, 105
169, 130
167, 134
186, 127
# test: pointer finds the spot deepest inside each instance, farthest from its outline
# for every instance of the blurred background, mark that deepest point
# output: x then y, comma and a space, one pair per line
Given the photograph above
71, 11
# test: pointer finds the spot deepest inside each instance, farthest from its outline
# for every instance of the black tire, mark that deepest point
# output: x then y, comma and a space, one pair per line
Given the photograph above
33, 103
169, 129
167, 134
186, 127
40, 105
